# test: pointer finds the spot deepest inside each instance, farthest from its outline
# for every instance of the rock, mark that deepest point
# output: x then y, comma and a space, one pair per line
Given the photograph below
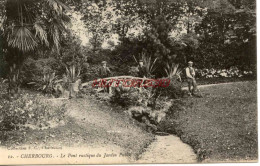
160, 116
138, 110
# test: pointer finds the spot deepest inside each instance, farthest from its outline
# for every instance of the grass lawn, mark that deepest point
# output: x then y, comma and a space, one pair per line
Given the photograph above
221, 126
205, 81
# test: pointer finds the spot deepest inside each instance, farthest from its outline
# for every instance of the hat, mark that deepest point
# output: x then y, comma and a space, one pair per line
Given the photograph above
190, 62
104, 62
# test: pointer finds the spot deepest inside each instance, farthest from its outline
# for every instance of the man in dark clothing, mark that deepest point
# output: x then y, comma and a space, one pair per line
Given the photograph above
141, 69
141, 73
104, 71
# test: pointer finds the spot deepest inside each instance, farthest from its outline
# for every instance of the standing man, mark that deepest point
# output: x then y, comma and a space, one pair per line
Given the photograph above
104, 72
141, 73
141, 69
190, 74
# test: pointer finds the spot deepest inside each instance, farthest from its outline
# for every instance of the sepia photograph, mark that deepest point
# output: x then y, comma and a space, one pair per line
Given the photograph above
128, 82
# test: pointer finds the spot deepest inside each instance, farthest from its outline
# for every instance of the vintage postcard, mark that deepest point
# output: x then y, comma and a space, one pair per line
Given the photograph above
128, 82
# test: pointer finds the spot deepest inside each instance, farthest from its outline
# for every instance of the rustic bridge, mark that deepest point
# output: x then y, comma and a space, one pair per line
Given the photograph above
126, 82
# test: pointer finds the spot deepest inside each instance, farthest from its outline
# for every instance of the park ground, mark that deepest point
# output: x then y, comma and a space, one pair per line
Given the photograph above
221, 126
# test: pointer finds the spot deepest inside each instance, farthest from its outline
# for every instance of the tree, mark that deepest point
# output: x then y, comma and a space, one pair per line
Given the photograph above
227, 32
97, 18
28, 25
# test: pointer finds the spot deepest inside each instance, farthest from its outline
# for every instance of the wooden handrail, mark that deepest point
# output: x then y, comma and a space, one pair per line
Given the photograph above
117, 77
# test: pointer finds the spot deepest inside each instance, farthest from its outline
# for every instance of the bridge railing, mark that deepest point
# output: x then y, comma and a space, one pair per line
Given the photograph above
119, 81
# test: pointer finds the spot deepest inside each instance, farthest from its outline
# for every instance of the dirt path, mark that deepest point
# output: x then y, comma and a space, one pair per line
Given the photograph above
168, 149
210, 85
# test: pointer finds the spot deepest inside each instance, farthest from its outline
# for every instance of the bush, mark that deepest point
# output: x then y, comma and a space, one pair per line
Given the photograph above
132, 97
28, 111
173, 90
33, 70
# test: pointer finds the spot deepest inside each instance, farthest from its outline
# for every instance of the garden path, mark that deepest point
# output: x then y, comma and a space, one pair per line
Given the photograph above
168, 149
209, 85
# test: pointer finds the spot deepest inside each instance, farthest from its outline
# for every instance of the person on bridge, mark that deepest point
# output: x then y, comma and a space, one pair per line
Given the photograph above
190, 74
141, 69
105, 72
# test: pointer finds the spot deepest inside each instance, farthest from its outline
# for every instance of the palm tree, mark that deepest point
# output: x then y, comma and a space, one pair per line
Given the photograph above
29, 24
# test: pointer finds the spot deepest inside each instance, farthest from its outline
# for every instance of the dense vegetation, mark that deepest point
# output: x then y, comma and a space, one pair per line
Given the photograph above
215, 35
51, 47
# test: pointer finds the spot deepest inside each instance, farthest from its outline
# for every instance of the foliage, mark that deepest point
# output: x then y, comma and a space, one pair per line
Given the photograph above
3, 65
173, 71
28, 24
41, 74
47, 83
72, 52
13, 80
149, 65
33, 69
231, 72
173, 90
176, 31
228, 39
74, 57
72, 73
28, 111
3, 87
96, 16
217, 34
132, 97
133, 71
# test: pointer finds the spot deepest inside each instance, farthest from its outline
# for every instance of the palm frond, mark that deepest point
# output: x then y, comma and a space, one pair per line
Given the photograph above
21, 38
72, 73
153, 64
40, 32
148, 63
66, 21
57, 6
55, 35
173, 70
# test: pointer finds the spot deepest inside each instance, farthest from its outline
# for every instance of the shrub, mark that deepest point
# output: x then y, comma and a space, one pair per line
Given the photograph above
173, 90
33, 69
125, 98
29, 111
173, 70
132, 97
91, 74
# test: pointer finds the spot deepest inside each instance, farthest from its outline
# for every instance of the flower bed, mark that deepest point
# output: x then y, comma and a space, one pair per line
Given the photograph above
215, 73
